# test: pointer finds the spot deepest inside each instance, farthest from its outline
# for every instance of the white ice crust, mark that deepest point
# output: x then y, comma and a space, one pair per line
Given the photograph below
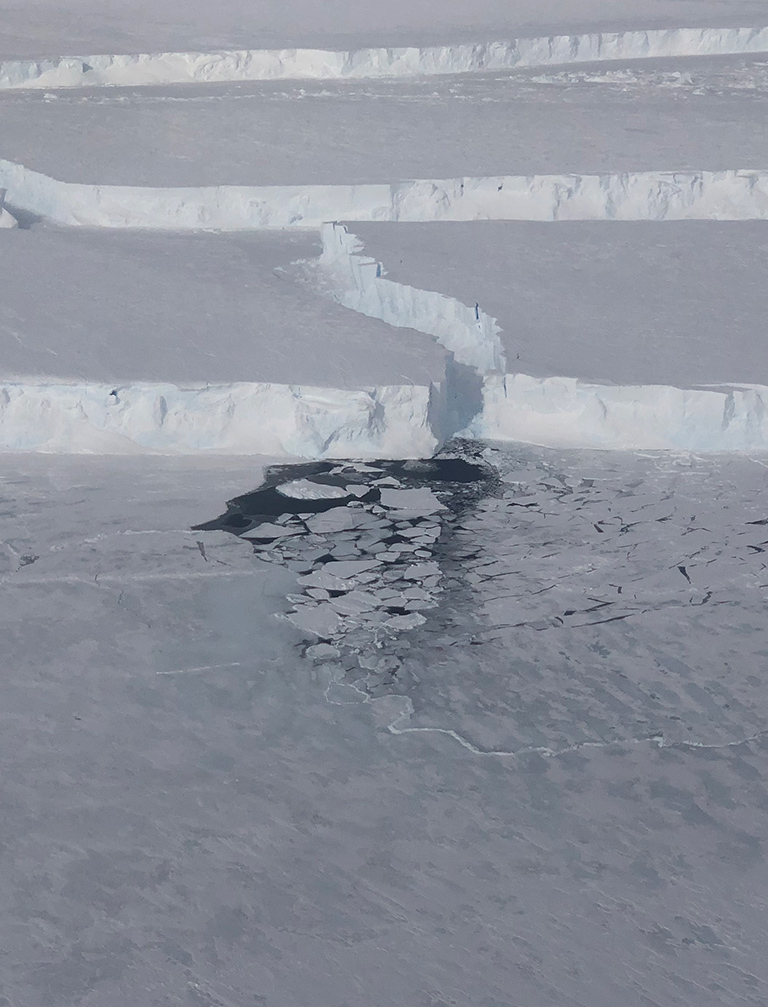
258, 419
641, 195
407, 420
398, 421
318, 64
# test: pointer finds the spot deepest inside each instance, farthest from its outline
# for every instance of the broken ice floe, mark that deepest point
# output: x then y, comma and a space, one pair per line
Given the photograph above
363, 542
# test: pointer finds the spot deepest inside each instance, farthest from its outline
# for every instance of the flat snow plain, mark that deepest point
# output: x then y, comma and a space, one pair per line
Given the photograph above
706, 116
675, 303
193, 811
200, 308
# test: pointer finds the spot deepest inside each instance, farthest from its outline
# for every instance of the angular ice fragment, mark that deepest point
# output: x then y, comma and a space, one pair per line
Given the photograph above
354, 603
350, 567
336, 520
322, 652
306, 489
324, 580
403, 622
321, 621
273, 531
415, 502
420, 571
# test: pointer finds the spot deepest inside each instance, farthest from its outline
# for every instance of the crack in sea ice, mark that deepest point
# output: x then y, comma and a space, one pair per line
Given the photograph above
408, 573
362, 539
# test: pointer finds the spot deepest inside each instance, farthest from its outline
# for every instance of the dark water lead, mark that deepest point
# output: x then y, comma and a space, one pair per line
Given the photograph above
362, 538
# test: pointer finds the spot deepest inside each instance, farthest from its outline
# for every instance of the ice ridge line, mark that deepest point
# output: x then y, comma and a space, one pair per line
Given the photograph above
642, 195
319, 64
553, 411
350, 278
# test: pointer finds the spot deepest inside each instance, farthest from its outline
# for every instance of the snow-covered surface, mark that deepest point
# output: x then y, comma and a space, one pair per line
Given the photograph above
522, 362
706, 412
680, 303
192, 806
701, 114
106, 306
437, 740
128, 342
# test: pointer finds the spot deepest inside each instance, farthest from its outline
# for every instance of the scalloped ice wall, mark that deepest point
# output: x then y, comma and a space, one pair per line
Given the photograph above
403, 420
553, 411
274, 64
644, 195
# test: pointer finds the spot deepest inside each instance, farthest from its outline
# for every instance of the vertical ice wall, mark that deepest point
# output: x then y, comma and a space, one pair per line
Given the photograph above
7, 220
359, 282
643, 195
318, 64
554, 411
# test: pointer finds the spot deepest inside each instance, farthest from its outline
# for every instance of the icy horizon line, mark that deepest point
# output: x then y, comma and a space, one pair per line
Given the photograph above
229, 66
394, 421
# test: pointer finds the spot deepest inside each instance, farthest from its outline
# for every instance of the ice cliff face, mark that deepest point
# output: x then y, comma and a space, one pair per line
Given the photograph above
7, 220
358, 282
282, 64
267, 419
646, 195
555, 411
477, 395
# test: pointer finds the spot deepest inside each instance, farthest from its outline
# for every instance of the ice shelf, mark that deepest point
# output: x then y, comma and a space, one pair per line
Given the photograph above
284, 64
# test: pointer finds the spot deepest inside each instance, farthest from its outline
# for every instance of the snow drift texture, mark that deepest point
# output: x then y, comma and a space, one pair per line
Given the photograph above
265, 64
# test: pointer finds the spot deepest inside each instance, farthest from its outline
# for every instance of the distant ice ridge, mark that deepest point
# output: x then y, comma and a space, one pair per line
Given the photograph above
317, 64
553, 411
642, 195
399, 421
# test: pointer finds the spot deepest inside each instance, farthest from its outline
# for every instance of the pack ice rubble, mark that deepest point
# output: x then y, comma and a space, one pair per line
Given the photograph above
319, 64
552, 411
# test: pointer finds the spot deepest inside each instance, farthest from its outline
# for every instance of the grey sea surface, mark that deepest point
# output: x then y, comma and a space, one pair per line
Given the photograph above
550, 791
